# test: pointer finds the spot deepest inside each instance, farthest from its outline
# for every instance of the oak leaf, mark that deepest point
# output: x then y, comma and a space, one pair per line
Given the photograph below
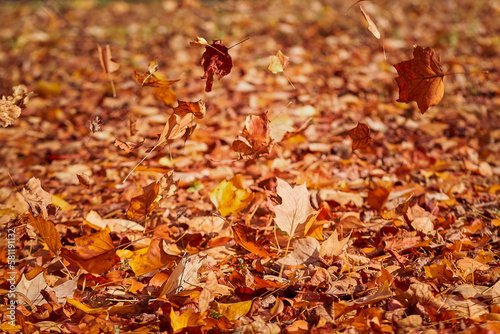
421, 79
360, 136
31, 288
255, 138
230, 196
215, 61
293, 212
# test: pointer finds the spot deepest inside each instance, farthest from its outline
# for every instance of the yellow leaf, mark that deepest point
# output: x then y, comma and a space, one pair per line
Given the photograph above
230, 196
235, 310
278, 63
187, 318
60, 202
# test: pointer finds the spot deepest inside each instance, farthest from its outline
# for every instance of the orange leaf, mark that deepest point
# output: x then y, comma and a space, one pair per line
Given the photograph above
255, 139
421, 79
48, 233
278, 63
149, 79
245, 237
95, 253
154, 258
360, 136
198, 108
108, 64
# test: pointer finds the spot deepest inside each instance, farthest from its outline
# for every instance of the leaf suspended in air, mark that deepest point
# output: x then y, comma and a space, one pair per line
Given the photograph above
293, 212
215, 61
371, 25
421, 78
11, 106
278, 63
255, 138
360, 136
108, 64
37, 198
162, 88
198, 109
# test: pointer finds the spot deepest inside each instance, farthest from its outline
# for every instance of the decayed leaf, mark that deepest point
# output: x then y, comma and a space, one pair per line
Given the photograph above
94, 253
360, 136
278, 63
108, 64
197, 108
421, 79
11, 106
144, 204
215, 61
371, 25
245, 237
332, 246
230, 196
36, 197
48, 233
153, 258
293, 212
255, 138
305, 251
184, 276
31, 288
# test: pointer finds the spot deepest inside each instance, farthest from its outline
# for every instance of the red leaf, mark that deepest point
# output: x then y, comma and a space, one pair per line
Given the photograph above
215, 61
360, 136
421, 79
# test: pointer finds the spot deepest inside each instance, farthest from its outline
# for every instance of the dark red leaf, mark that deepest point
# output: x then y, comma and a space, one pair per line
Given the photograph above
215, 61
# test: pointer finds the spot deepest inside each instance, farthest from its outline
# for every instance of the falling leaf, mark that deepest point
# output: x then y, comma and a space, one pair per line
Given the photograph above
153, 258
144, 204
96, 124
108, 64
305, 251
293, 212
245, 237
36, 197
95, 253
198, 108
371, 26
255, 138
421, 79
48, 233
278, 63
360, 136
230, 196
162, 87
199, 41
215, 61
85, 180
127, 146
11, 106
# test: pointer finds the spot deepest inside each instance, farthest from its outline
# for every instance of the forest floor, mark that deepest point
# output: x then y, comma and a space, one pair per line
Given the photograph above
253, 213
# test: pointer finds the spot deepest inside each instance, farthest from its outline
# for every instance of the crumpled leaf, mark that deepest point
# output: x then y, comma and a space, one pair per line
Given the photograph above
293, 212
215, 61
94, 253
421, 79
184, 276
36, 197
421, 220
153, 258
371, 25
144, 204
255, 138
230, 196
360, 136
278, 63
305, 251
11, 106
127, 146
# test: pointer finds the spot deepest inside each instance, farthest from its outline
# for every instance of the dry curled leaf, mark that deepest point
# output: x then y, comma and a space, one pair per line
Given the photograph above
162, 88
127, 146
215, 61
371, 25
421, 78
11, 106
96, 124
360, 136
254, 140
199, 41
37, 198
198, 108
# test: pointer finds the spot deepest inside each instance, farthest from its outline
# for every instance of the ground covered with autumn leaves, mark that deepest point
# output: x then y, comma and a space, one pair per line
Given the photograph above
306, 200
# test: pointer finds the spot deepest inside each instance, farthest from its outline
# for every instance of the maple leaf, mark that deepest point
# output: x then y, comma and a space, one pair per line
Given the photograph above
215, 61
360, 136
421, 79
31, 288
184, 276
154, 258
254, 140
230, 196
293, 212
305, 251
371, 25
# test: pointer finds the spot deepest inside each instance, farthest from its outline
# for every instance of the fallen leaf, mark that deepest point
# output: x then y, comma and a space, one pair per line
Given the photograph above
108, 64
371, 25
383, 292
378, 194
48, 233
230, 196
293, 212
187, 318
215, 61
254, 140
37, 198
278, 63
211, 289
332, 246
184, 276
245, 237
64, 290
234, 311
144, 204
305, 251
153, 258
360, 136
421, 79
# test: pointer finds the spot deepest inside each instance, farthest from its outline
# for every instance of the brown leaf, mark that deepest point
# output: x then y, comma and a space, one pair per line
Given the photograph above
278, 63
421, 79
96, 124
198, 108
360, 136
184, 276
162, 88
84, 180
108, 64
254, 140
127, 146
48, 233
94, 253
154, 258
11, 106
305, 251
215, 61
371, 25
36, 197
245, 237
378, 194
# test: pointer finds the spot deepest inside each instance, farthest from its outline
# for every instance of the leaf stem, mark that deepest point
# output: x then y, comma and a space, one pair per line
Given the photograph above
232, 46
